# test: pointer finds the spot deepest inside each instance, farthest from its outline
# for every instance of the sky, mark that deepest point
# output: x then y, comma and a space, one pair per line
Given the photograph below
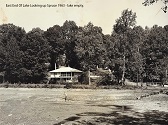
101, 13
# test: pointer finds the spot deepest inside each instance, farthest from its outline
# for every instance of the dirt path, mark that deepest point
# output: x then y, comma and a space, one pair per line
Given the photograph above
21, 106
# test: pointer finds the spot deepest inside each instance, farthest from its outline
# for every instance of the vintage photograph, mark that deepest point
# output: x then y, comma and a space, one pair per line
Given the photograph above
83, 62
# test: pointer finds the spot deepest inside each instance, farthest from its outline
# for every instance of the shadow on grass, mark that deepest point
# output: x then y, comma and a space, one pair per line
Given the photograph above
120, 117
72, 118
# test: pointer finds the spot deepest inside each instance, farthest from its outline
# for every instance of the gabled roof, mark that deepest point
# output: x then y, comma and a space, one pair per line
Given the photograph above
65, 69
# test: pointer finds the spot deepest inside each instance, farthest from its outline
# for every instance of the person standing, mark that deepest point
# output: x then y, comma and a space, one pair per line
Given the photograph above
65, 96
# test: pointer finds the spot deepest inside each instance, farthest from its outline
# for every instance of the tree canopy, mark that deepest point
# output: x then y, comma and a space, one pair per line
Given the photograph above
130, 51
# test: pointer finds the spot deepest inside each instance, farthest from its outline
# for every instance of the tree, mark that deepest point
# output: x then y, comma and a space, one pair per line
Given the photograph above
122, 28
10, 54
54, 36
69, 31
135, 66
155, 52
62, 40
13, 61
9, 30
151, 2
36, 53
109, 56
126, 21
2, 57
89, 48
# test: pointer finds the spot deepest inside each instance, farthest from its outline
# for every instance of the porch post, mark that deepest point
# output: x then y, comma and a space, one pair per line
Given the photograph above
71, 75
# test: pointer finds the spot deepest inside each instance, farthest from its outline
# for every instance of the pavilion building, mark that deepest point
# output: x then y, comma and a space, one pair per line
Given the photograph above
65, 74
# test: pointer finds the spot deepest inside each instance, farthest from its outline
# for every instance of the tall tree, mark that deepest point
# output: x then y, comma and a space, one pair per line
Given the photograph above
2, 57
62, 40
135, 67
109, 56
10, 38
13, 61
69, 30
122, 28
89, 48
36, 53
155, 51
55, 38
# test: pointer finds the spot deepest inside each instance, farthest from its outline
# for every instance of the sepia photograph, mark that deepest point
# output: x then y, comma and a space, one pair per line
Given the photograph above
83, 62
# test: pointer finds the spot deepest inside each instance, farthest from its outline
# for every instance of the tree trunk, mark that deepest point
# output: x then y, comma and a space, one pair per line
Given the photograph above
89, 77
123, 74
166, 78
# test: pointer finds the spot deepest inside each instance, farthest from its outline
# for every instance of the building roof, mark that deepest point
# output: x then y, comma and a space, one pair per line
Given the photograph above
65, 69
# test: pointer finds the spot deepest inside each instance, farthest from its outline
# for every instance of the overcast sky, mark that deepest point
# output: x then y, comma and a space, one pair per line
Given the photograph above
101, 13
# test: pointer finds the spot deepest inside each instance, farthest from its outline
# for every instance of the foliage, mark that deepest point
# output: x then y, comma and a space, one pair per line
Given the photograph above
151, 2
13, 61
10, 54
62, 40
126, 21
89, 48
135, 65
130, 52
36, 53
155, 51
123, 46
70, 30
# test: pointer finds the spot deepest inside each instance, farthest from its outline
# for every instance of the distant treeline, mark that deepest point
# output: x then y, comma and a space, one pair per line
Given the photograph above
130, 51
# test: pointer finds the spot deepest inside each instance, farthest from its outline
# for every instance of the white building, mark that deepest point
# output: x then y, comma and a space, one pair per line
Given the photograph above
65, 74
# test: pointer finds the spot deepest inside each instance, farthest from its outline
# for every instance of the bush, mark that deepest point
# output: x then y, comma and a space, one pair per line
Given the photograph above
6, 85
68, 85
